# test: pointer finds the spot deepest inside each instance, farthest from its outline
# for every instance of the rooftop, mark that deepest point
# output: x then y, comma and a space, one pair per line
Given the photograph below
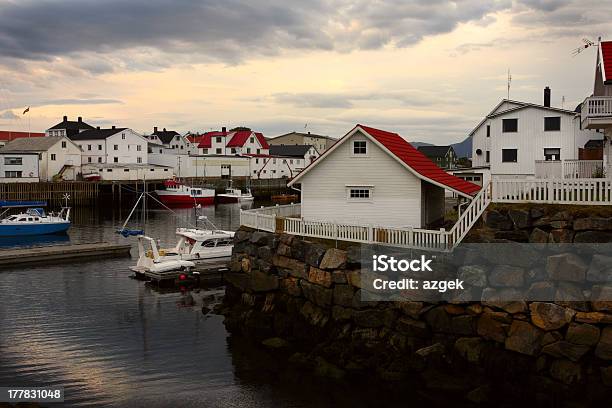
96, 134
71, 124
32, 144
289, 150
11, 135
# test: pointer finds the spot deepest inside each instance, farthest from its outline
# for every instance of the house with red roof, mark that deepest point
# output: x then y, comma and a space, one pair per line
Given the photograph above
375, 177
238, 141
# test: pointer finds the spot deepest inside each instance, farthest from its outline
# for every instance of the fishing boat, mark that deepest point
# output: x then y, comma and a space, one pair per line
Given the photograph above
34, 221
177, 194
235, 195
193, 245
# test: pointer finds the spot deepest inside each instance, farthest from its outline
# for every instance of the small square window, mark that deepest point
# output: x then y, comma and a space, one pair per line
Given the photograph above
360, 147
509, 155
552, 123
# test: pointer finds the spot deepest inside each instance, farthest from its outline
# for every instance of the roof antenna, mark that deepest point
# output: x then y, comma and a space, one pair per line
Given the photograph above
509, 81
563, 102
587, 43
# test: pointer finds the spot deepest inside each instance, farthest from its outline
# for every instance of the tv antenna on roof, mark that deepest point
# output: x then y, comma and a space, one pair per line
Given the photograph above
587, 43
509, 81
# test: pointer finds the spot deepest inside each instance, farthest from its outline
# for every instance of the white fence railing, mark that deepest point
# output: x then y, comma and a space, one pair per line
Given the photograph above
470, 215
596, 106
553, 191
568, 169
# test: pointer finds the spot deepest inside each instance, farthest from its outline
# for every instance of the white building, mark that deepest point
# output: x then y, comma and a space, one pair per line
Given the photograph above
283, 161
374, 177
126, 172
233, 142
68, 127
114, 145
520, 139
18, 167
215, 166
171, 141
58, 157
320, 142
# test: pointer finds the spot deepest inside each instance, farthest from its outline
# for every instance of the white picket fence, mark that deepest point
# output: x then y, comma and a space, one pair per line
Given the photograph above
568, 169
285, 218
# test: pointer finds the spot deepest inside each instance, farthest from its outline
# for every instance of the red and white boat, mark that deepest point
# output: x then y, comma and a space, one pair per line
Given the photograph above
177, 193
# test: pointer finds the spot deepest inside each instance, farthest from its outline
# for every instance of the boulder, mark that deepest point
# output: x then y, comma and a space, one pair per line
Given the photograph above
464, 325
541, 291
566, 371
433, 352
334, 259
412, 328
339, 277
507, 276
291, 286
328, 370
566, 267
593, 237
262, 238
343, 295
240, 281
292, 266
583, 334
317, 294
369, 317
524, 338
286, 239
549, 316
593, 223
313, 253
508, 299
551, 337
470, 348
320, 277
412, 309
561, 236
538, 236
262, 282
606, 376
353, 256
571, 295
438, 320
536, 212
473, 275
298, 249
275, 343
492, 326
594, 317
283, 250
520, 218
341, 313
314, 315
515, 235
604, 347
601, 298
565, 349
560, 224
241, 236
496, 220
354, 278
600, 269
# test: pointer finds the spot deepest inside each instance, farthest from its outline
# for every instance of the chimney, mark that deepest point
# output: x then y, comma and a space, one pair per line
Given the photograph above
65, 118
113, 126
80, 119
223, 129
98, 127
547, 97
154, 129
164, 129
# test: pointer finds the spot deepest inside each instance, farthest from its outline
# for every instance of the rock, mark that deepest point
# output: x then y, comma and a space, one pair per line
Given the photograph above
339, 277
508, 299
538, 236
262, 238
571, 295
320, 277
524, 338
265, 253
314, 315
283, 250
298, 249
412, 309
515, 235
433, 352
604, 347
463, 325
292, 266
328, 370
606, 376
341, 313
291, 286
317, 294
453, 309
566, 267
313, 253
343, 295
479, 395
354, 278
469, 348
520, 218
369, 317
492, 326
583, 334
541, 291
496, 220
593, 223
601, 298
600, 269
566, 371
594, 317
565, 349
353, 256
334, 259
474, 309
245, 265
473, 275
286, 239
240, 281
438, 320
549, 316
536, 212
561, 236
551, 337
593, 237
412, 328
560, 224
261, 282
275, 343
507, 276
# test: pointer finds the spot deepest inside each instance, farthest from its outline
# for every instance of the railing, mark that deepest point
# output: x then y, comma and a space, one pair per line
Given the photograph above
553, 191
568, 169
596, 106
470, 215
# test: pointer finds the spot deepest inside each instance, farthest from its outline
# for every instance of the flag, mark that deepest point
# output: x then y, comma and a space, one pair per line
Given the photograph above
26, 110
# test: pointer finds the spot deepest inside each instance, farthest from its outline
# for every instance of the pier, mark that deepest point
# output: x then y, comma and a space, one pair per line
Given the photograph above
74, 252
205, 271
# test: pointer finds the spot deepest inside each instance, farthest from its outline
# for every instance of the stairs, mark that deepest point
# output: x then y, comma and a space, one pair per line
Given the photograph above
469, 217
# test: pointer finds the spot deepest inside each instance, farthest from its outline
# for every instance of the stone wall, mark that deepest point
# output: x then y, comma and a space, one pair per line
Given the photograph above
303, 298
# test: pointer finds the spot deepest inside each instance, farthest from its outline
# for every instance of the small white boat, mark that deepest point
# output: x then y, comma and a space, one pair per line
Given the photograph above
235, 195
193, 245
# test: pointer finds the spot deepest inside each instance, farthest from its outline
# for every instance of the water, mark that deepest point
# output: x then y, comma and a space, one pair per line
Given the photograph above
113, 341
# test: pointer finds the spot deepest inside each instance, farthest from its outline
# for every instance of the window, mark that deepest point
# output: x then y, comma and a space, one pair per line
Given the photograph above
258, 151
99, 160
552, 123
177, 137
552, 154
39, 156
12, 174
204, 150
123, 136
126, 170
256, 161
109, 170
476, 178
13, 161
488, 157
99, 147
248, 150
509, 155
152, 169
53, 156
165, 169
509, 125
89, 159
139, 160
360, 147
138, 148
218, 150
63, 145
488, 130
218, 139
233, 150
359, 194
88, 147
160, 150
115, 160
115, 147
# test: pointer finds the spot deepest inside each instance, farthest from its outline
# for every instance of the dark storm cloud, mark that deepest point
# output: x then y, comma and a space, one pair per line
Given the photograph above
222, 30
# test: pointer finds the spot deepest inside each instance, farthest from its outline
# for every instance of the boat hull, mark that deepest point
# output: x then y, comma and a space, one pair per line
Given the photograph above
226, 199
182, 199
12, 230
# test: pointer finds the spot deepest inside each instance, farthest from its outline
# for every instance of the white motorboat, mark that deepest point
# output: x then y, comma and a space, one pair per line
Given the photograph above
193, 245
235, 195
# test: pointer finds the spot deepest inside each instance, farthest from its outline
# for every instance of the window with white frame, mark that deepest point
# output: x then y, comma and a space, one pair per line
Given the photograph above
359, 193
360, 147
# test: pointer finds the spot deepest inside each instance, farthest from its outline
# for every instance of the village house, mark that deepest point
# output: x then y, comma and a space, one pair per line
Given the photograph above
18, 167
379, 178
238, 141
58, 157
320, 142
443, 156
8, 135
171, 141
126, 172
112, 145
528, 140
68, 127
209, 166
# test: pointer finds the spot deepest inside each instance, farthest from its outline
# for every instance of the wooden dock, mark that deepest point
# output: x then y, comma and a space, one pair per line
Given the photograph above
205, 271
49, 254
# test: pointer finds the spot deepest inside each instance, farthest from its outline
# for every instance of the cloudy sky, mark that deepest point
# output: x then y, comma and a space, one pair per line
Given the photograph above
429, 69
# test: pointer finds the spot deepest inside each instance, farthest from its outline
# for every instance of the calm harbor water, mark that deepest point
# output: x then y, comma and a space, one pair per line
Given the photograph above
113, 341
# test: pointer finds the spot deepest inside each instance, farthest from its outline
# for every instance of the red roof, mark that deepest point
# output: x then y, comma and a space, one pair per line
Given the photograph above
205, 140
418, 162
239, 138
9, 135
606, 57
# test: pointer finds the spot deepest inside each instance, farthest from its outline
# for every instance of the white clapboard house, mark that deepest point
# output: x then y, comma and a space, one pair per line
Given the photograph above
375, 177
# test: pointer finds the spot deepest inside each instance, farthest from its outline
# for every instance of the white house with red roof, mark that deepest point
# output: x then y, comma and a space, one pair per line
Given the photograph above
375, 177
239, 141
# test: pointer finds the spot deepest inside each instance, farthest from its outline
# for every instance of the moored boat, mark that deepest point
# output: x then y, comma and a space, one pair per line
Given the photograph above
178, 194
34, 221
235, 195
